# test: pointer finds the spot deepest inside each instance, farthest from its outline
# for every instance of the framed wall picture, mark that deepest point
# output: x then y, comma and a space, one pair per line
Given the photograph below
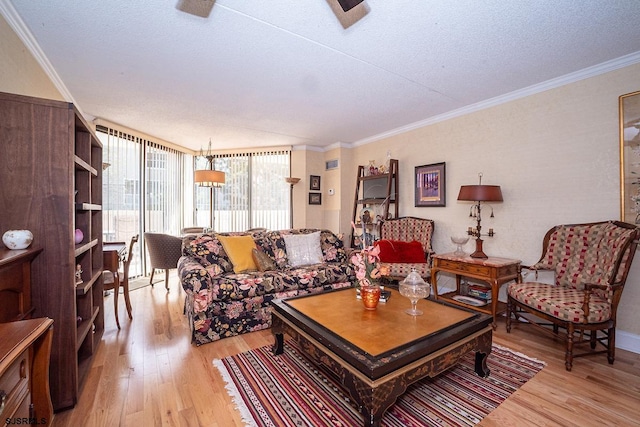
629, 106
314, 183
315, 198
430, 185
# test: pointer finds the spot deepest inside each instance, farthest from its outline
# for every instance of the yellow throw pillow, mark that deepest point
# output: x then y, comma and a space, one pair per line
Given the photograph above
239, 250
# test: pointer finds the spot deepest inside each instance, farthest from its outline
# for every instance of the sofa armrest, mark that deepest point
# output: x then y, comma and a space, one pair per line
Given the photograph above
194, 277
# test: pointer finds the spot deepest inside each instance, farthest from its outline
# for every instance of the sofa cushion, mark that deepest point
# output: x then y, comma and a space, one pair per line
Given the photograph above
332, 247
303, 249
263, 261
207, 250
560, 302
394, 251
239, 249
232, 286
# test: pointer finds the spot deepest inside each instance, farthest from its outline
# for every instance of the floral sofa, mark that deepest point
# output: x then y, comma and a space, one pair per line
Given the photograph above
221, 302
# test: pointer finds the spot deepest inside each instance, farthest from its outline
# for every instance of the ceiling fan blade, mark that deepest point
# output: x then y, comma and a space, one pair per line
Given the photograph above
200, 8
347, 5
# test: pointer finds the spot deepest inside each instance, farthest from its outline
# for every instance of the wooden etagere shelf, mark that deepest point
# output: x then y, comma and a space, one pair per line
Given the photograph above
52, 178
379, 192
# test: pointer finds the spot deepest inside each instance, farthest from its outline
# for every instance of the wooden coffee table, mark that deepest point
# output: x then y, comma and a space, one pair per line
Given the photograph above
376, 355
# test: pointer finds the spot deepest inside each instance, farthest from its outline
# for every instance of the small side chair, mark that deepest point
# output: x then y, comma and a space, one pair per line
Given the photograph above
590, 263
113, 281
164, 252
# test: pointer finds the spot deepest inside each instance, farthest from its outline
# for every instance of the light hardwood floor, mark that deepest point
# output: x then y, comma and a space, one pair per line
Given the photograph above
149, 374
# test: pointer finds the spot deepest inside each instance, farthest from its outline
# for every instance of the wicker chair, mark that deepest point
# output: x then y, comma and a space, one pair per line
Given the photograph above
164, 252
590, 263
113, 280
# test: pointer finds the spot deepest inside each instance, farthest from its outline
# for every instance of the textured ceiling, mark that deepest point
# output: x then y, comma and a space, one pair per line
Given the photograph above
289, 72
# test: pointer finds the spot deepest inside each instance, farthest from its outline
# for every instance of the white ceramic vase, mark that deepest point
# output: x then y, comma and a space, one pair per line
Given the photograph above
17, 239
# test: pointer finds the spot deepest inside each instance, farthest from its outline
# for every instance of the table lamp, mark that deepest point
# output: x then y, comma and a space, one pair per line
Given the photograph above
479, 193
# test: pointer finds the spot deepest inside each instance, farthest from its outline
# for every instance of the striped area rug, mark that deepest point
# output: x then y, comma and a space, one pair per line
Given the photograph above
288, 390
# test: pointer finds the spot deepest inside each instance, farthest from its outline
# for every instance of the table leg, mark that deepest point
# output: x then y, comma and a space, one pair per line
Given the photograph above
434, 283
494, 304
278, 335
481, 365
116, 296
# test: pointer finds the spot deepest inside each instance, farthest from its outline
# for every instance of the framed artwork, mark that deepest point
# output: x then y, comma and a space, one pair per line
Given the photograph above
314, 183
629, 106
315, 198
430, 186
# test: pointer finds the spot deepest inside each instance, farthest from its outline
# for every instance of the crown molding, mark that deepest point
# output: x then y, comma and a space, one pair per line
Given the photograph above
24, 34
596, 70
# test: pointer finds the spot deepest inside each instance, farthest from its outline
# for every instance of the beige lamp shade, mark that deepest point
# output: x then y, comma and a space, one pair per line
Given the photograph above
209, 178
292, 181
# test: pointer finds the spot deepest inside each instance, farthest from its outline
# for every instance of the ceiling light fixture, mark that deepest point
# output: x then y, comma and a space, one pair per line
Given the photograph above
209, 178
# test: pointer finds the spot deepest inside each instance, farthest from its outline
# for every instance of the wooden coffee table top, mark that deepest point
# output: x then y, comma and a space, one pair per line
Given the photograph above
379, 331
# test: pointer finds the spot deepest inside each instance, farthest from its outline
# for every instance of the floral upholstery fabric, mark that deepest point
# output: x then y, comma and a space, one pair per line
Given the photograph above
221, 303
561, 302
408, 229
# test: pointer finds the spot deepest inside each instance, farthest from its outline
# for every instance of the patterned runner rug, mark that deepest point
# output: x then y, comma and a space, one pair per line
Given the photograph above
288, 390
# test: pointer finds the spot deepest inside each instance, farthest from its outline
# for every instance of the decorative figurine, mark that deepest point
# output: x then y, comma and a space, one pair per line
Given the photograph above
78, 274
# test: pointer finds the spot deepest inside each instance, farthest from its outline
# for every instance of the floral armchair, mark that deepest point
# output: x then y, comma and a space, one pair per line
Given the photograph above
590, 263
405, 244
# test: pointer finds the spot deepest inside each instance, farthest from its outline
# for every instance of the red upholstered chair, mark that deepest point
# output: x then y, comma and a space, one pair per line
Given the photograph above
405, 244
590, 263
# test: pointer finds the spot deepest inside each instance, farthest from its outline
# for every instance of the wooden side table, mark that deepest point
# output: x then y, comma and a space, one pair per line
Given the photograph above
493, 270
25, 346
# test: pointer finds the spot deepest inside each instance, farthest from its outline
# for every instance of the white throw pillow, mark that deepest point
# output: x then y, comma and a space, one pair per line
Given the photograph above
303, 249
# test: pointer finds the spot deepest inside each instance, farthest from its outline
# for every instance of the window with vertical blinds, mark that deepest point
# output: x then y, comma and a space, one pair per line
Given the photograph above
255, 193
163, 189
142, 189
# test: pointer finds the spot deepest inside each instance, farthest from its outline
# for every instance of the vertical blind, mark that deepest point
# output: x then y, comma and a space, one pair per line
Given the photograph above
163, 184
142, 189
255, 193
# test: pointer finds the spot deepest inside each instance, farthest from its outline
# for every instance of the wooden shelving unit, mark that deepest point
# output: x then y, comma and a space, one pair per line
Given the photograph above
52, 184
375, 191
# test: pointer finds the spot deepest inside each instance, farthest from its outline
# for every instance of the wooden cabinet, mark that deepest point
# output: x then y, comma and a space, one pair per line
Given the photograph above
24, 361
51, 173
375, 194
15, 283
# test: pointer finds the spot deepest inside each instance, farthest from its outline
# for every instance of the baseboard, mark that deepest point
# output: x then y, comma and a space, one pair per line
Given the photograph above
628, 341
